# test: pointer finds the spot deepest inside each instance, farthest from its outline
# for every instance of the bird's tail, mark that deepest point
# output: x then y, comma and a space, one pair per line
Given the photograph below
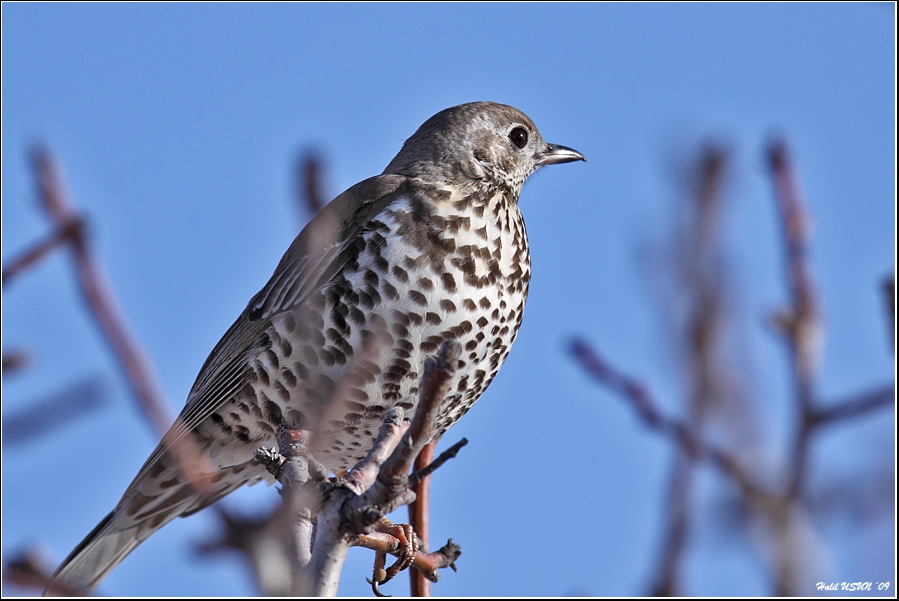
96, 556
157, 496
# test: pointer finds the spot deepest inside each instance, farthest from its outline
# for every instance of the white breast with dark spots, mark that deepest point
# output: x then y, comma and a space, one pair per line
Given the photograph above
423, 274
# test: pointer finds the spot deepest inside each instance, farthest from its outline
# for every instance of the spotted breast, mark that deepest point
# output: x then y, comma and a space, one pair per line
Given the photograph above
432, 265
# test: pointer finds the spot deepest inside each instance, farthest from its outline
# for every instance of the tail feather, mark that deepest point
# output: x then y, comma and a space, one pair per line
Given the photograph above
95, 557
150, 503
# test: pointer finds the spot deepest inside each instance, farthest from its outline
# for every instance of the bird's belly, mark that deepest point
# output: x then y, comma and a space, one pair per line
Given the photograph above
388, 348
336, 365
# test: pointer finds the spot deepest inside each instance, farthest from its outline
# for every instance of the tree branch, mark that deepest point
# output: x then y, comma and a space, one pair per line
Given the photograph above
801, 321
99, 296
347, 507
689, 441
310, 173
855, 406
419, 586
63, 234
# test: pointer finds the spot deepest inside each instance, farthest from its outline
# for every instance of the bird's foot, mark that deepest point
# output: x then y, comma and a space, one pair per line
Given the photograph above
400, 540
405, 545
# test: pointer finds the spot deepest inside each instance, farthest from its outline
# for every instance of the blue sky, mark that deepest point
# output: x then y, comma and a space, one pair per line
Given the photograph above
179, 126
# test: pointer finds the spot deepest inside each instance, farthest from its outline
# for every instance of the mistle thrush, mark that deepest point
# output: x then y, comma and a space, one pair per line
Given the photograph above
433, 248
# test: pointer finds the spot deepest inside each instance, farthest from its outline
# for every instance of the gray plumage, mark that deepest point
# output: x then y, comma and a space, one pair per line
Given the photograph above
435, 247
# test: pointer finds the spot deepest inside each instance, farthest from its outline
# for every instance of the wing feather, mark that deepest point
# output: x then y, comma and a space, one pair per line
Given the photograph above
316, 255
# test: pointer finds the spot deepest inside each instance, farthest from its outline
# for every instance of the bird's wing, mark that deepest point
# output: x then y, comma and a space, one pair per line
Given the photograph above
316, 255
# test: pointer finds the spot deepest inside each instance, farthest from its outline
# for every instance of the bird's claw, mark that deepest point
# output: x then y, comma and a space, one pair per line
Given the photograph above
374, 588
408, 546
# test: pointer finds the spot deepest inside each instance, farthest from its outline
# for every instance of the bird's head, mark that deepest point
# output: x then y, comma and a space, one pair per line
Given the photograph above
479, 143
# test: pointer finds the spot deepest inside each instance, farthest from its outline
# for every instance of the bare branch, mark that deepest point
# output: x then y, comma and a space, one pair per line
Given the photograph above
54, 411
698, 263
419, 586
435, 383
642, 401
63, 234
15, 360
99, 296
889, 301
348, 507
392, 430
341, 518
421, 474
856, 406
806, 329
310, 173
26, 569
802, 320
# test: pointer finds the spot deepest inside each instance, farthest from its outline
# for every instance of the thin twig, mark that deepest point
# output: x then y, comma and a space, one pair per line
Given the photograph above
54, 411
856, 406
889, 301
29, 569
310, 173
698, 263
445, 456
63, 234
15, 360
435, 383
419, 586
635, 393
100, 298
802, 320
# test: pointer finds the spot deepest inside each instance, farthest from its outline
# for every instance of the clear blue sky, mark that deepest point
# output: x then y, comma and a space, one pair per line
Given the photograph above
179, 125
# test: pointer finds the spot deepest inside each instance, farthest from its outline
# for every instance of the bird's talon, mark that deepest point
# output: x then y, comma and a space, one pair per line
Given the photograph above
374, 588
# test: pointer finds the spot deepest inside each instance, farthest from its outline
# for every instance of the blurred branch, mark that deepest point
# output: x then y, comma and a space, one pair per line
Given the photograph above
260, 541
784, 512
99, 296
65, 233
310, 176
635, 393
889, 298
856, 406
804, 318
800, 322
15, 360
55, 411
29, 569
698, 263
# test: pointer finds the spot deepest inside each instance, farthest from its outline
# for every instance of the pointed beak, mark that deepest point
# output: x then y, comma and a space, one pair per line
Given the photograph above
555, 153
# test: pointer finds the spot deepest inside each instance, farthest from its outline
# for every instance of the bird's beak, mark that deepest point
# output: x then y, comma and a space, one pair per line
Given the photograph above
553, 153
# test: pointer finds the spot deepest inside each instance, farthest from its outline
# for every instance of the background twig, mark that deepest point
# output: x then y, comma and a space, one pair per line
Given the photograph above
99, 296
783, 511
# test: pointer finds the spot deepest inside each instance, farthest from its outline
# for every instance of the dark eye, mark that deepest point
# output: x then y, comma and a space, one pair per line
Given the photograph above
519, 137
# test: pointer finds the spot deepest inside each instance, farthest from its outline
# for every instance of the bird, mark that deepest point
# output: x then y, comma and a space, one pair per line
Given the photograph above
433, 248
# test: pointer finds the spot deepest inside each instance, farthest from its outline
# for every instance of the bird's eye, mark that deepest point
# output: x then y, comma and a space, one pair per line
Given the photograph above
519, 137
